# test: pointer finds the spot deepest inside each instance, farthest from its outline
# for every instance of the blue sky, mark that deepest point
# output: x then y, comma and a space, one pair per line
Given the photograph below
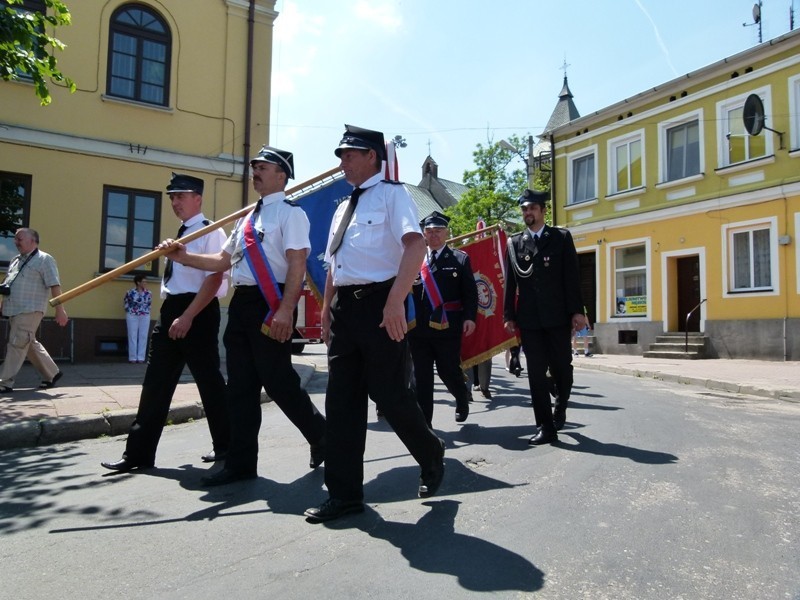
449, 74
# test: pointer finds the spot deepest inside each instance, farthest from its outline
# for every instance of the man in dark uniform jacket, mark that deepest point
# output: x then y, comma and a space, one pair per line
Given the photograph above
446, 281
543, 302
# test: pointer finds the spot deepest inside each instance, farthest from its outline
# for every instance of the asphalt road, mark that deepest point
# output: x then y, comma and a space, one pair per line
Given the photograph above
655, 490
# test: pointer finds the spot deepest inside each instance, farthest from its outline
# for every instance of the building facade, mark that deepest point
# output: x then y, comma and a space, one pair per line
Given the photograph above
684, 221
162, 86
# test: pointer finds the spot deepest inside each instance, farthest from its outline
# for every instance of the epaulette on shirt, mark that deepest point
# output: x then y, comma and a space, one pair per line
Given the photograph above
291, 202
392, 182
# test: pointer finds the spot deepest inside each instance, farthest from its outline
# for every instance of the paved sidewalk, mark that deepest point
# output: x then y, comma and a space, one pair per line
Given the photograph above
92, 400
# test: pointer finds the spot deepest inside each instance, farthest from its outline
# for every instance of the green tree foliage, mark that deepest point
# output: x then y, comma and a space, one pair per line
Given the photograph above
25, 45
494, 187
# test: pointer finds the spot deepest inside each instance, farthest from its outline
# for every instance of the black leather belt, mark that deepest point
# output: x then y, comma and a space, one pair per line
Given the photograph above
363, 290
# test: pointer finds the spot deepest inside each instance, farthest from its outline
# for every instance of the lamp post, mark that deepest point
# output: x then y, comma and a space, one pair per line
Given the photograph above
506, 145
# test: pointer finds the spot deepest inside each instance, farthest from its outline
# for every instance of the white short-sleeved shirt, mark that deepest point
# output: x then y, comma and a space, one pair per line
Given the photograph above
188, 279
372, 246
284, 227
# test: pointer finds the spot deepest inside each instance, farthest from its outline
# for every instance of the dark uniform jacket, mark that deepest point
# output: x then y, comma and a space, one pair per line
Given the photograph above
542, 284
453, 274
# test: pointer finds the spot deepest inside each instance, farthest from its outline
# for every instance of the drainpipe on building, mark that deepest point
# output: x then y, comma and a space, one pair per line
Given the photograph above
251, 19
553, 177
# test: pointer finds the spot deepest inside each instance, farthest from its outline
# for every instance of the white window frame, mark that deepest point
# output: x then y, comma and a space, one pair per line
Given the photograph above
572, 157
794, 112
723, 128
664, 127
728, 230
613, 144
611, 283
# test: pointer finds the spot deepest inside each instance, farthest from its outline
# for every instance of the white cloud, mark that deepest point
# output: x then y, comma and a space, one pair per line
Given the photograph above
291, 23
293, 50
384, 14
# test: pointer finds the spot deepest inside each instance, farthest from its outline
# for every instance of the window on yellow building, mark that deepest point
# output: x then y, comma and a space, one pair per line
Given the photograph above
130, 227
750, 256
15, 207
626, 164
630, 280
139, 55
582, 176
683, 150
736, 145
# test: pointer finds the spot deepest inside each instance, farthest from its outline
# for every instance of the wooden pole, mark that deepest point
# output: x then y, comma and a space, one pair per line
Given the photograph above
159, 252
459, 239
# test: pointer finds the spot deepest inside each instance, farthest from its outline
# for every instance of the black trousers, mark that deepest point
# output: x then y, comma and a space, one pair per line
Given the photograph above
551, 347
255, 360
363, 361
200, 351
445, 353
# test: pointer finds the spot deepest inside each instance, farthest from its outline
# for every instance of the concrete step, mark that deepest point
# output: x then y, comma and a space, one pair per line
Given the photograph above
673, 354
678, 346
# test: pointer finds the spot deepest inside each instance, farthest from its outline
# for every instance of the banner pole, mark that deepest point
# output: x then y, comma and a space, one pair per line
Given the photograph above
159, 252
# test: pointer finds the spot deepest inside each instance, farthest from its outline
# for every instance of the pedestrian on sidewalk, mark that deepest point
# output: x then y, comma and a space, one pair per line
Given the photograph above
186, 334
31, 275
582, 335
543, 302
266, 253
374, 253
137, 303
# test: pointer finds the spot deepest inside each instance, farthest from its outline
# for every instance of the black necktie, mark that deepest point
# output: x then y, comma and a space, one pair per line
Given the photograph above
168, 268
433, 256
346, 218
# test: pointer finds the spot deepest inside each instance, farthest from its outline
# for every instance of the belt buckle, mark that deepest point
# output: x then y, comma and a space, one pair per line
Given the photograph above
358, 294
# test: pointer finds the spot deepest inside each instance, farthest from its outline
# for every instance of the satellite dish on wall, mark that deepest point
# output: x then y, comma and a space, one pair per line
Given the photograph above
753, 114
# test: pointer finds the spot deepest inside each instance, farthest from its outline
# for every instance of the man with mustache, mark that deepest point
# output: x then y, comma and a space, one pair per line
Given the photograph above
543, 302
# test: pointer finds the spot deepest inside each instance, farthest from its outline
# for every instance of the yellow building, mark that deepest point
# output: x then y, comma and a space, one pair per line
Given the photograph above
162, 86
673, 204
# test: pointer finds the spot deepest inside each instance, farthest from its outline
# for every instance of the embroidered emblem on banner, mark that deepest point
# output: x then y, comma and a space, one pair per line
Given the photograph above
487, 296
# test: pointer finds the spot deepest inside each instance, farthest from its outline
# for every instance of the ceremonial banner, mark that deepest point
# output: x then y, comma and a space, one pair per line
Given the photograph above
391, 168
320, 203
485, 252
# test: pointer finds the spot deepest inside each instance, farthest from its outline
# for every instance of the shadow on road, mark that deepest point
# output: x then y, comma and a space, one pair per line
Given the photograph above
432, 545
591, 446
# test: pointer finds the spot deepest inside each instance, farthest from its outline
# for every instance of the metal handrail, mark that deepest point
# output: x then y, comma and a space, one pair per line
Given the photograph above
686, 326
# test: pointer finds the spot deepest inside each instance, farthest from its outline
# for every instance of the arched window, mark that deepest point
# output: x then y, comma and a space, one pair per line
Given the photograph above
139, 55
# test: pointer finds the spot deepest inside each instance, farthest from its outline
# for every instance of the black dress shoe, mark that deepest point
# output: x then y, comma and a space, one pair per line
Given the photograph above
543, 437
214, 456
317, 454
48, 384
431, 479
123, 465
462, 412
227, 476
333, 509
486, 393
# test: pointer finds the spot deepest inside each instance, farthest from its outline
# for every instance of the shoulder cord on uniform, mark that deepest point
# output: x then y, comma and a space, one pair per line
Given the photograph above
512, 256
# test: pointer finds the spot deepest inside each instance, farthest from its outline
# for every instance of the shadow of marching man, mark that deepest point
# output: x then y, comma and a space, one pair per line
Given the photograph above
432, 545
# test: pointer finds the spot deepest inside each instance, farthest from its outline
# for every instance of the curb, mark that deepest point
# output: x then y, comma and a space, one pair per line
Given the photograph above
711, 384
43, 432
